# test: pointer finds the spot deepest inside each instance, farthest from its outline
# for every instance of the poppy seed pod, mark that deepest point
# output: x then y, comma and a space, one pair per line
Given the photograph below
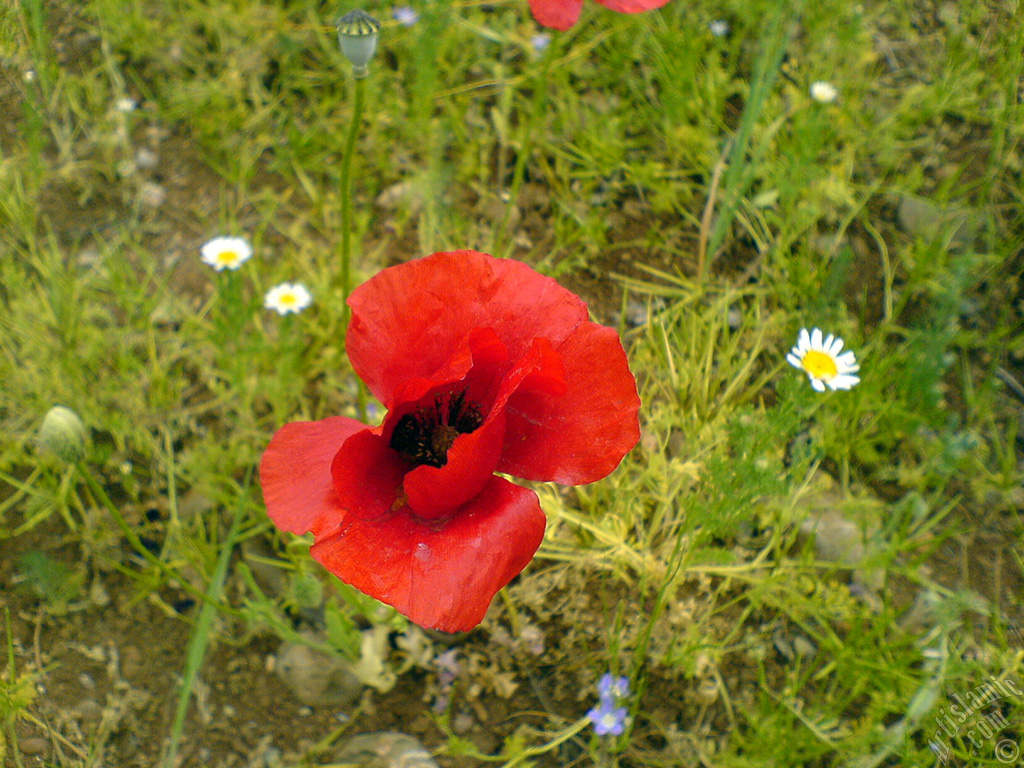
357, 36
63, 434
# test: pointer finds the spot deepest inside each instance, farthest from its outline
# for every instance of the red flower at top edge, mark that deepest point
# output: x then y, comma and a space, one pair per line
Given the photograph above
484, 366
562, 14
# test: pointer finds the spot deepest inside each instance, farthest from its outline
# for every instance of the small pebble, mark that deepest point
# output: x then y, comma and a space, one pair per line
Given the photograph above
88, 711
384, 749
636, 312
803, 647
152, 195
34, 745
147, 159
317, 678
462, 723
273, 757
837, 539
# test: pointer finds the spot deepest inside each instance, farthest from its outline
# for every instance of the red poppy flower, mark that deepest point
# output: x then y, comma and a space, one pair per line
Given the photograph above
484, 366
562, 14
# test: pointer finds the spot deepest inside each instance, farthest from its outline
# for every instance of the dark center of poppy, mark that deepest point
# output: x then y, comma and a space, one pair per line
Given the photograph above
425, 436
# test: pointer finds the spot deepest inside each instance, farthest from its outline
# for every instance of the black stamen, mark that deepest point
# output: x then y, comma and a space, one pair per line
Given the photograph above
425, 436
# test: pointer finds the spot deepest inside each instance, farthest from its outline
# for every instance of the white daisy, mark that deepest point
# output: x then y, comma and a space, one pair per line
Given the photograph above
820, 360
225, 252
287, 298
719, 27
824, 93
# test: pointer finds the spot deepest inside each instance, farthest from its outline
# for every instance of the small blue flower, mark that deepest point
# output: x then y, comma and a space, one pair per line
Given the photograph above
612, 689
405, 15
719, 27
607, 719
540, 42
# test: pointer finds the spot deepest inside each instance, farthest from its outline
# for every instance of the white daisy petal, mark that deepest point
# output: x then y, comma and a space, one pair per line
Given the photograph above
822, 359
843, 382
287, 298
823, 92
225, 253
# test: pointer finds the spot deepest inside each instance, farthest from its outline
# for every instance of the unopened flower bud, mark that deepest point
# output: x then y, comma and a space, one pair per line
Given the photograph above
63, 434
357, 35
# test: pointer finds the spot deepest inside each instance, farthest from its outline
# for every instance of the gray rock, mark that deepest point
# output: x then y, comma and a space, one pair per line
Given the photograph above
316, 678
836, 539
384, 749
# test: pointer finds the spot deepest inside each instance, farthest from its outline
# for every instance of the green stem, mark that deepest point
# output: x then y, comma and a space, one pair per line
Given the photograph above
345, 192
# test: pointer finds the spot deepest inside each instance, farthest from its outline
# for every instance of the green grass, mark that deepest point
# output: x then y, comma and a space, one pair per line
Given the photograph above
651, 163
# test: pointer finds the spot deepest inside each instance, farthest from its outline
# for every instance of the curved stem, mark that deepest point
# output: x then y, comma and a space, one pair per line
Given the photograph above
345, 193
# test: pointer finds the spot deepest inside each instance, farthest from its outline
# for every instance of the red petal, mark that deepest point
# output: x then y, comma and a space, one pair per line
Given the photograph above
438, 491
557, 14
434, 492
440, 575
632, 6
581, 436
540, 370
295, 473
367, 475
409, 320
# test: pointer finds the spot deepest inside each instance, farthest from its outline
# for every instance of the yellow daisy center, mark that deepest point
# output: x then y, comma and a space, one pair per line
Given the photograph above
287, 299
820, 365
227, 257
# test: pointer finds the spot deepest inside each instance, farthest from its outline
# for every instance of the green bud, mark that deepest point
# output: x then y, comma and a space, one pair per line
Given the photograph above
63, 434
357, 35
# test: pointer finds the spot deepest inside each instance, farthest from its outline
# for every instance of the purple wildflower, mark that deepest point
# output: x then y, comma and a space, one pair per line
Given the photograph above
448, 667
612, 689
405, 15
608, 719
